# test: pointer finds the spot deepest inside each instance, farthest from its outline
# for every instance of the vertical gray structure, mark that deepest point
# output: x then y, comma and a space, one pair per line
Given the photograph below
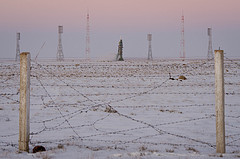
182, 45
18, 48
60, 56
88, 37
149, 37
210, 50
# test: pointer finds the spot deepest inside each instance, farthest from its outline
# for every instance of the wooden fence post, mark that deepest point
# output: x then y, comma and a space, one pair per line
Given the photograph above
24, 108
219, 101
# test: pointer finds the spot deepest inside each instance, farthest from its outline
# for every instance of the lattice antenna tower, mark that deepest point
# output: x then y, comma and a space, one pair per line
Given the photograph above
182, 43
88, 37
149, 37
18, 47
60, 56
210, 49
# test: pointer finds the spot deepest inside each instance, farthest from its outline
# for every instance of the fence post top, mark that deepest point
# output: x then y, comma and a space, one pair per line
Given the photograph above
24, 53
220, 51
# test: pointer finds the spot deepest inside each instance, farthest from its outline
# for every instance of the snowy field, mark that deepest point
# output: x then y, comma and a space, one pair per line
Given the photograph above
120, 110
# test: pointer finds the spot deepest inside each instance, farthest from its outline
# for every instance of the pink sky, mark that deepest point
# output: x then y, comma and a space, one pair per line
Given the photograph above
123, 13
37, 20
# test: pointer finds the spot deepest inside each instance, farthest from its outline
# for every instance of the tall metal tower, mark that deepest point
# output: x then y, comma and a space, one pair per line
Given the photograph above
60, 56
149, 37
18, 48
182, 44
210, 50
88, 37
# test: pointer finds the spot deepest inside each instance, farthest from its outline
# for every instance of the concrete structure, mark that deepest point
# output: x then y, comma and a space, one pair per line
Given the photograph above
24, 107
219, 101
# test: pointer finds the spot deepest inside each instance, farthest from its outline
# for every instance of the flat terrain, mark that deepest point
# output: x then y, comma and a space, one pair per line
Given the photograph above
130, 109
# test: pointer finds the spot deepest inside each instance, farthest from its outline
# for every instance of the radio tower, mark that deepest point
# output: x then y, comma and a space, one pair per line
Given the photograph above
60, 56
149, 37
18, 48
210, 50
88, 38
182, 45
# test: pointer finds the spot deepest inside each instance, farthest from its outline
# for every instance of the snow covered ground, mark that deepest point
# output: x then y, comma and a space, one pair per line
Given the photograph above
129, 109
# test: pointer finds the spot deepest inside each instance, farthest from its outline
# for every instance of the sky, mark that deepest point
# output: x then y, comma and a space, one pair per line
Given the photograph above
110, 20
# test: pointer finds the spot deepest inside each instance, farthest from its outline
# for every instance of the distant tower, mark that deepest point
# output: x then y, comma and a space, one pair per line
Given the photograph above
120, 51
149, 37
60, 56
210, 50
88, 37
18, 48
182, 44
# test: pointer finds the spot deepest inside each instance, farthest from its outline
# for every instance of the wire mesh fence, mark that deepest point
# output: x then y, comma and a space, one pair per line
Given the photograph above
133, 105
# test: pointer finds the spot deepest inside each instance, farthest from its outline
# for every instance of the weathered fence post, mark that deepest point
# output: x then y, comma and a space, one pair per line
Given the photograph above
24, 108
219, 101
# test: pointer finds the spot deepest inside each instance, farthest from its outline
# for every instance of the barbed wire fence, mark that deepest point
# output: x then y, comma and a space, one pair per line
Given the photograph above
131, 105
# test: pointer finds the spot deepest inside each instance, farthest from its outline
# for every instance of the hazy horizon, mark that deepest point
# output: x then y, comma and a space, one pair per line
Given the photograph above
37, 21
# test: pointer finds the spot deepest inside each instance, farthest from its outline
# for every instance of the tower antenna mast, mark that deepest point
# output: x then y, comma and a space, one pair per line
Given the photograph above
88, 37
182, 44
210, 50
149, 47
18, 48
60, 56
